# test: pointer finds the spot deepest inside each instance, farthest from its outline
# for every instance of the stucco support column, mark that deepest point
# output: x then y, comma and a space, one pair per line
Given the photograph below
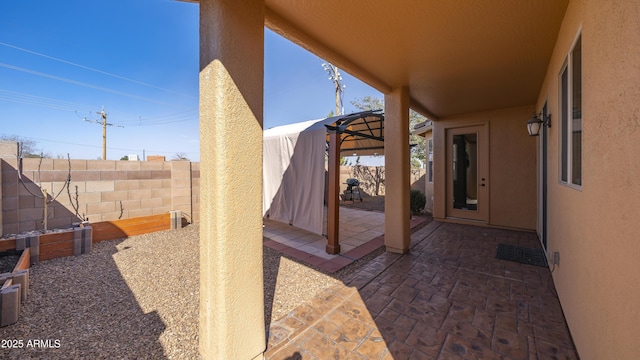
333, 207
231, 84
397, 171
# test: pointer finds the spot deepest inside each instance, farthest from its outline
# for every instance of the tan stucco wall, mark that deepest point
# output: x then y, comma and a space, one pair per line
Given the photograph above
397, 171
595, 228
231, 103
512, 171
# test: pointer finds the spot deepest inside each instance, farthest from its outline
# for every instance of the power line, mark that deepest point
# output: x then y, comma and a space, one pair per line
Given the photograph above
182, 116
59, 78
27, 99
162, 116
166, 122
93, 69
95, 146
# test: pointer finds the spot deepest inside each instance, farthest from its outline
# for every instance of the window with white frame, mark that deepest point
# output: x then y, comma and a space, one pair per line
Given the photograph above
571, 117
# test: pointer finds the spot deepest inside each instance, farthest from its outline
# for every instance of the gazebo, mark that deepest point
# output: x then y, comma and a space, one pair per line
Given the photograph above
294, 168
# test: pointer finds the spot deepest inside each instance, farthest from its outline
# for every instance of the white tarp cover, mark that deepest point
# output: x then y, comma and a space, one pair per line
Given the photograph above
294, 174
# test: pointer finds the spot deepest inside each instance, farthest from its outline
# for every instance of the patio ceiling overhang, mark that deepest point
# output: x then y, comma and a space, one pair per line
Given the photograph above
455, 56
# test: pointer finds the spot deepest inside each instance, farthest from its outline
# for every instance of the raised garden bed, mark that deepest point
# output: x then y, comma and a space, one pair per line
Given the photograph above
33, 247
15, 284
18, 253
8, 260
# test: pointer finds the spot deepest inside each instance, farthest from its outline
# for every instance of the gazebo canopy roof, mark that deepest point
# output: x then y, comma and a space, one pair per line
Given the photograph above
361, 133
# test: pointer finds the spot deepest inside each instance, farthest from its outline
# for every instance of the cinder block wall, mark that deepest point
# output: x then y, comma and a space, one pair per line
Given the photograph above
98, 190
180, 186
8, 149
369, 176
195, 192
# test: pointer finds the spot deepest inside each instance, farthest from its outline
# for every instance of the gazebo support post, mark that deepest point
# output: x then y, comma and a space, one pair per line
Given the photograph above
333, 216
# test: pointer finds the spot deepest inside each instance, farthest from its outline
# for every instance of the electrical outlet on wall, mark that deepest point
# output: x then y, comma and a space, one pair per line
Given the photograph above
553, 257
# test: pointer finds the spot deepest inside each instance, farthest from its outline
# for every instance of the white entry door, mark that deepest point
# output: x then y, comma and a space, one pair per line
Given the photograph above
467, 173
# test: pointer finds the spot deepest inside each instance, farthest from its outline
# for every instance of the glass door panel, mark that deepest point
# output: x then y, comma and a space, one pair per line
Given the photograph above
467, 182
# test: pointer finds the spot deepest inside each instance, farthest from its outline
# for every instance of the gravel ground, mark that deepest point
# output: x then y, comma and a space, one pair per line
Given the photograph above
138, 298
8, 261
369, 202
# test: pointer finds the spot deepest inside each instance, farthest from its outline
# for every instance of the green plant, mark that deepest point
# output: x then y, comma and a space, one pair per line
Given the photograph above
417, 201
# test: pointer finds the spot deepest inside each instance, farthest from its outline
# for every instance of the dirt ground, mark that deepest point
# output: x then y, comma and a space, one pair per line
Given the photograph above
370, 203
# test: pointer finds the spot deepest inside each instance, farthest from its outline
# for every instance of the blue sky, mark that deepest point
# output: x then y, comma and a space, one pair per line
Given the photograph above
62, 61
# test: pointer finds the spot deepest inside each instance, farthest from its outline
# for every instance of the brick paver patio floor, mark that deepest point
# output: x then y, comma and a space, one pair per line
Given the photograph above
361, 232
449, 298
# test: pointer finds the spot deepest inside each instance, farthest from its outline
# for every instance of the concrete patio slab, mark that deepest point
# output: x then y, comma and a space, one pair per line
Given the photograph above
361, 233
449, 298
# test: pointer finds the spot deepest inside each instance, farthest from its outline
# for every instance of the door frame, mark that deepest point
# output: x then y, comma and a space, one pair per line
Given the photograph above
543, 180
481, 214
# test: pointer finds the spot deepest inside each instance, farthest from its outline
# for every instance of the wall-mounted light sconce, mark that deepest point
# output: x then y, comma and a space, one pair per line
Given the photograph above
535, 123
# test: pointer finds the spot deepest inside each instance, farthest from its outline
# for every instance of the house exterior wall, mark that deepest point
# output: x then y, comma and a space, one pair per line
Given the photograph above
512, 170
595, 228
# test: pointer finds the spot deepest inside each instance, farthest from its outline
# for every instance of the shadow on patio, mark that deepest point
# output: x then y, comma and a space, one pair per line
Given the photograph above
449, 298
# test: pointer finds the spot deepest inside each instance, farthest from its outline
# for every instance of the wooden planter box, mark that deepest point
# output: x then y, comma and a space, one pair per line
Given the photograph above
14, 290
36, 247
76, 241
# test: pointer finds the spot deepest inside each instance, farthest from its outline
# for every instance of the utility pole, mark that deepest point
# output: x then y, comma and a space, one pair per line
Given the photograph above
334, 75
103, 115
104, 123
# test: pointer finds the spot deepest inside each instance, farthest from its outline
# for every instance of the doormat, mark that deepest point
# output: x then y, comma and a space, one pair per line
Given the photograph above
522, 255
